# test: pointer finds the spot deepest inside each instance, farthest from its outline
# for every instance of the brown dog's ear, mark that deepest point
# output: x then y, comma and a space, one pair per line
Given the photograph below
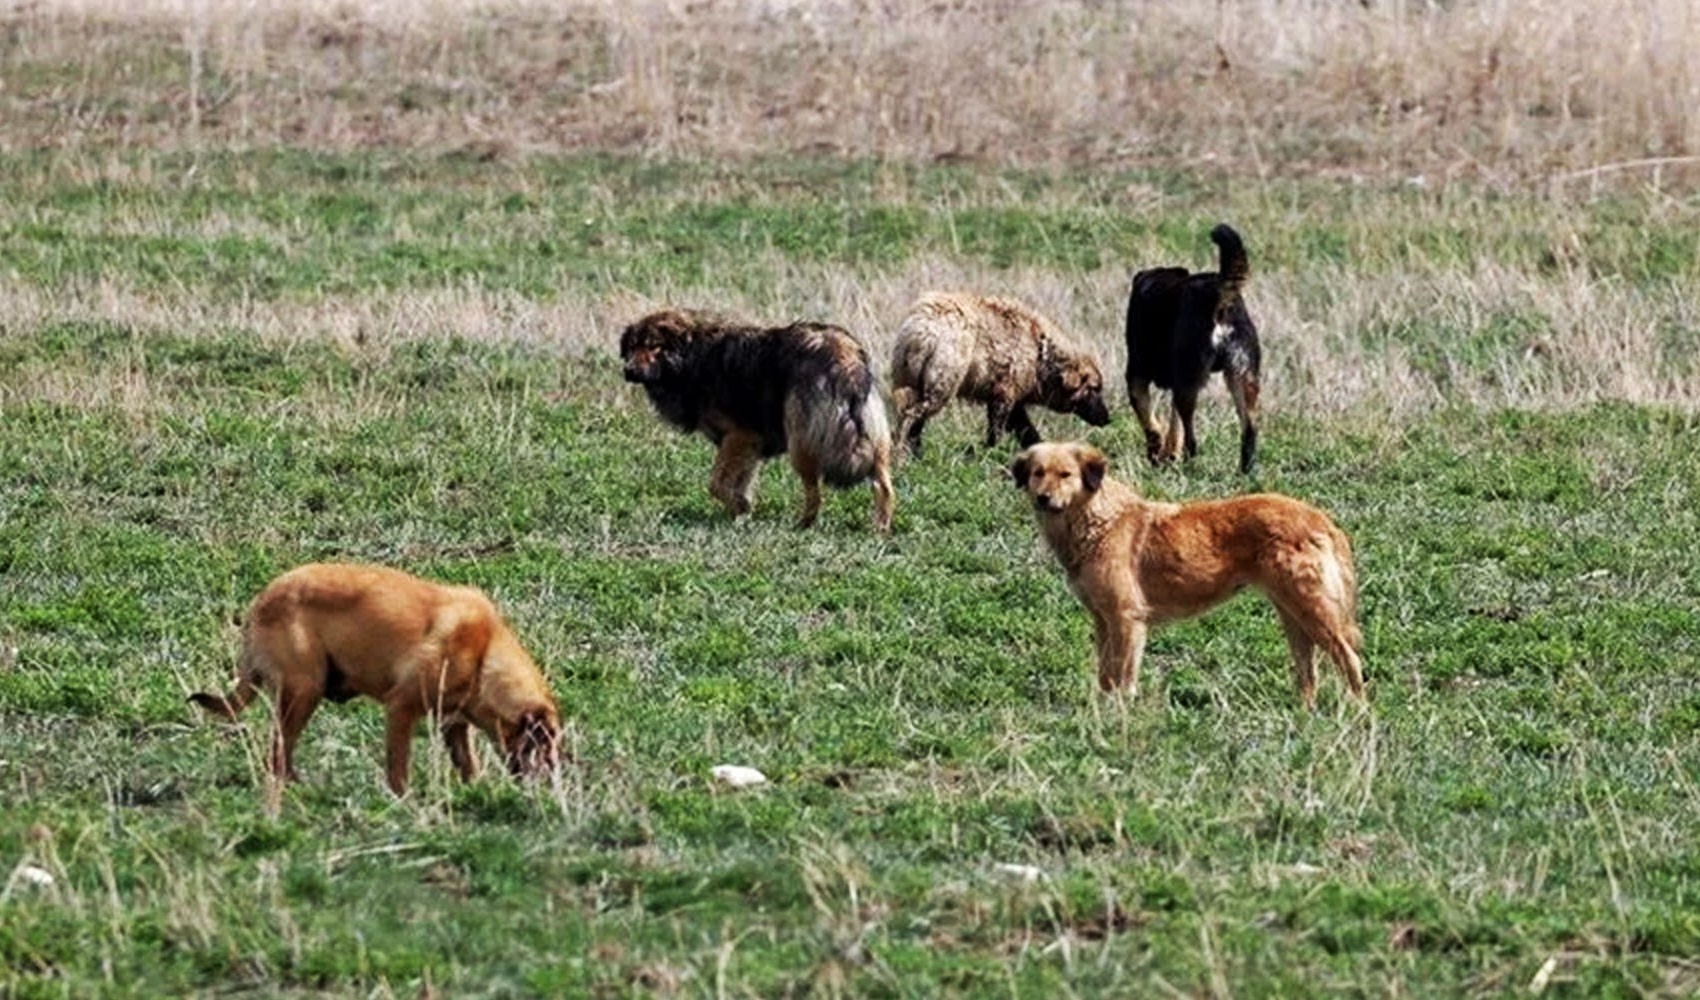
1018, 471
1093, 467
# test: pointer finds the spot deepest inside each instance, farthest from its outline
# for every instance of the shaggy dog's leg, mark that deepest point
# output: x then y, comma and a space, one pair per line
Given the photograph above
808, 470
1139, 391
884, 496
1021, 425
1243, 387
734, 470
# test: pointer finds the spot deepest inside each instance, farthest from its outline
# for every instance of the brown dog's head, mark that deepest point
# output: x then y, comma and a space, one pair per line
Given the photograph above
650, 346
1058, 475
532, 742
1076, 386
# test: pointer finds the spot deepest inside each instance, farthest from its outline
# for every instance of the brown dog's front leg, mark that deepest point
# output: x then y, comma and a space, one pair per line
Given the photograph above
398, 745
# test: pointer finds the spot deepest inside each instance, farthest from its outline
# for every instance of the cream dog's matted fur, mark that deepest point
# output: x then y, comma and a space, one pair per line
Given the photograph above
337, 631
991, 350
1135, 562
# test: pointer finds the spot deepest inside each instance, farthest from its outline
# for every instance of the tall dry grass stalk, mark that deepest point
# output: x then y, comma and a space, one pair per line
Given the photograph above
1507, 91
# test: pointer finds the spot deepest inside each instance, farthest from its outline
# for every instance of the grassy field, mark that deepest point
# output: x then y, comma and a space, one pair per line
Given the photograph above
213, 367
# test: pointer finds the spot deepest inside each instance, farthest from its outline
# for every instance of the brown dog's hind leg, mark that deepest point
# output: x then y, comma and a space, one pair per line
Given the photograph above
1243, 388
734, 470
457, 736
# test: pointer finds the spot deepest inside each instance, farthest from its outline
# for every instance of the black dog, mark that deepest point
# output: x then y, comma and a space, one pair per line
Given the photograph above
1183, 326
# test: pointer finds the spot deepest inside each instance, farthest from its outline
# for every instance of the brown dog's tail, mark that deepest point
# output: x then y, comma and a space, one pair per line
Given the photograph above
1235, 266
227, 706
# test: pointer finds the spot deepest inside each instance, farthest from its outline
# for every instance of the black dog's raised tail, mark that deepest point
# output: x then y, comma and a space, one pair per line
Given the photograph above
1235, 267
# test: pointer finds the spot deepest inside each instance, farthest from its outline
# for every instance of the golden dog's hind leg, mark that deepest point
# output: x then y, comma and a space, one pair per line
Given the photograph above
295, 705
1303, 652
734, 471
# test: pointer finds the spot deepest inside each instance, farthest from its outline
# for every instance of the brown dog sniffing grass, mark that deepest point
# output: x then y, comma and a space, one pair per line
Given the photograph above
1135, 562
334, 631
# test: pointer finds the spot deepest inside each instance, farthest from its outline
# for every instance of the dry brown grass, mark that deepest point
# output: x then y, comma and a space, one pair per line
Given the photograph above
1587, 339
1565, 91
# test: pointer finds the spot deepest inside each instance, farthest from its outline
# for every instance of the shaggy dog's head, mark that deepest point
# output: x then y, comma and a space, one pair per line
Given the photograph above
649, 348
1055, 476
1076, 386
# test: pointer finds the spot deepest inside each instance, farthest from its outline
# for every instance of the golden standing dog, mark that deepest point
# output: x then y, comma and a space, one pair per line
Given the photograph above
995, 351
335, 631
1135, 563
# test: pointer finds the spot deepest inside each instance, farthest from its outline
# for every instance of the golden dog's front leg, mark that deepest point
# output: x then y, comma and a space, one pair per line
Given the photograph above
457, 736
1120, 651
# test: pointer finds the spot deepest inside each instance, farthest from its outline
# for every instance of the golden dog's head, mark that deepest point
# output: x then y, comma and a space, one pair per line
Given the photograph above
1056, 476
532, 742
649, 347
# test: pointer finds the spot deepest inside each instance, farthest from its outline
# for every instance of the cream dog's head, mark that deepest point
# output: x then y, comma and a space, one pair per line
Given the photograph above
1056, 476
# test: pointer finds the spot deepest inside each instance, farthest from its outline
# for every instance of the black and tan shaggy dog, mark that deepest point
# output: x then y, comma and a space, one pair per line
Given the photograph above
995, 351
1181, 327
1135, 563
806, 390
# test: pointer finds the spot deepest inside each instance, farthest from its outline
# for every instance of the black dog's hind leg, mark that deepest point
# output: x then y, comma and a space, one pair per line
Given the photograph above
1186, 403
1243, 387
1021, 425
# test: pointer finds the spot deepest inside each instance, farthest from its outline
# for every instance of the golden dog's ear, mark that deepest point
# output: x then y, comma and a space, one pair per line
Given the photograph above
1018, 471
1093, 466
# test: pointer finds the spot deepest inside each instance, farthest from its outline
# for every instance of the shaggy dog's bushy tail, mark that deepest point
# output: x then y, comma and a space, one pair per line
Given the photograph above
843, 423
1235, 266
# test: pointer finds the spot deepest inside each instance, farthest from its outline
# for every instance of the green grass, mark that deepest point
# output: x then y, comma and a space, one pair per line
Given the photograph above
1524, 790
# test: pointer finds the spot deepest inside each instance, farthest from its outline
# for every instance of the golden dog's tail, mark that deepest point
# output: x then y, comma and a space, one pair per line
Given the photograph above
1347, 584
1235, 266
227, 706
